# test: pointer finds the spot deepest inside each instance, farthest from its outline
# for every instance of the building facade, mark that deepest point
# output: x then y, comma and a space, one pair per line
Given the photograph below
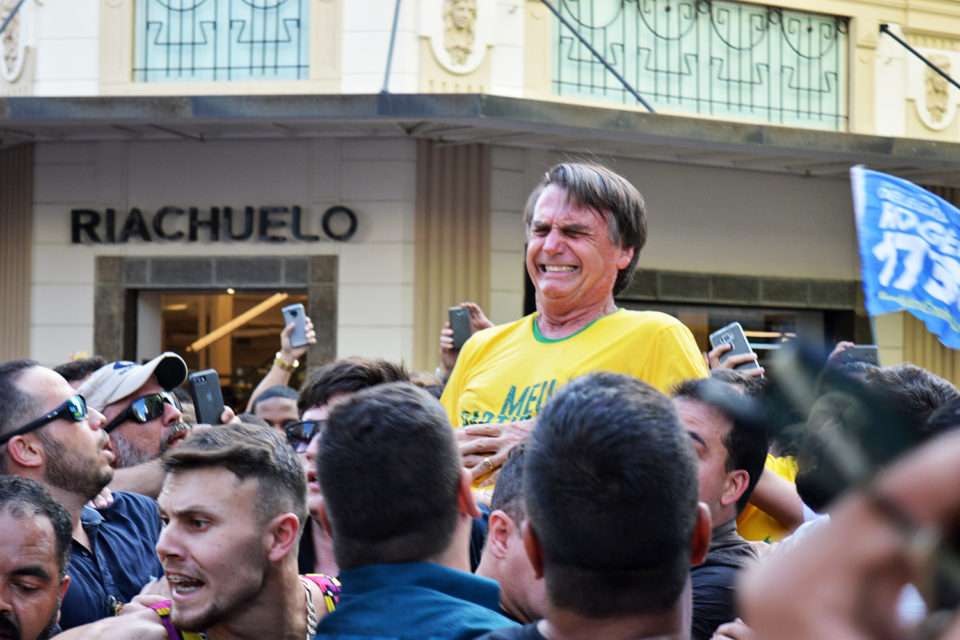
372, 159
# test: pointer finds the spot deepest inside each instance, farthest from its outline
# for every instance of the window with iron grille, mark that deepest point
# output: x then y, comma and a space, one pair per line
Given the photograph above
712, 57
210, 40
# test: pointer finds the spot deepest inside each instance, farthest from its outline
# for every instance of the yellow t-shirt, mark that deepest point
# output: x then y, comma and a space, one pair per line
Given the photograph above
756, 524
506, 373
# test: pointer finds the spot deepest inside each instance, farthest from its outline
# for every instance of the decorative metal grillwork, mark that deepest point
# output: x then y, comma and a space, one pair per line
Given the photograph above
712, 57
205, 40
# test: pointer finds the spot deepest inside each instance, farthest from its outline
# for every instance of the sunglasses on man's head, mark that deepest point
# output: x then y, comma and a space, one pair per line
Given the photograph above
73, 409
299, 434
144, 409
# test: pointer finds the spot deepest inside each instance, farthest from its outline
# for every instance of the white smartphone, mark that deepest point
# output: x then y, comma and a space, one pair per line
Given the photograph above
733, 335
295, 313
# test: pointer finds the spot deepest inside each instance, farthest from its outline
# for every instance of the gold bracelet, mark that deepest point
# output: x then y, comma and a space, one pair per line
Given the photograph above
283, 364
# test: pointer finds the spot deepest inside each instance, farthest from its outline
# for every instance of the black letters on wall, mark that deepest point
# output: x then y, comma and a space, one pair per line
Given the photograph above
272, 224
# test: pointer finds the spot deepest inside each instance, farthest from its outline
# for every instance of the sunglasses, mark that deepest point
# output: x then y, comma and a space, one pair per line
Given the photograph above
74, 409
299, 434
144, 409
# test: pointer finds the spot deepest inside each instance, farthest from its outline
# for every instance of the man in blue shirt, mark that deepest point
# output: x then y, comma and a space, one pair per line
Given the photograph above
47, 434
398, 505
613, 518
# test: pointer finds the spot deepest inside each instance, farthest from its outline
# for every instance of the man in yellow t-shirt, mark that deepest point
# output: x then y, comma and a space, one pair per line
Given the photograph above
585, 228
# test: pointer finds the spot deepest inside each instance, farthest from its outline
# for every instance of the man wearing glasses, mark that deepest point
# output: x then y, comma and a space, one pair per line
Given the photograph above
143, 416
333, 381
48, 434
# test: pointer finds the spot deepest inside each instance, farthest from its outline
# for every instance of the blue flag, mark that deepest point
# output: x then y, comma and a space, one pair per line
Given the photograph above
909, 251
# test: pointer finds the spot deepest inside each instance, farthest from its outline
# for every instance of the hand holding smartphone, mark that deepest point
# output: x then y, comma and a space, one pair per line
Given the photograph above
296, 314
207, 396
460, 323
733, 335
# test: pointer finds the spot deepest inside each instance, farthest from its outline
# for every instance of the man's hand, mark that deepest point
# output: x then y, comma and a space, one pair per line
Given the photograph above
735, 630
102, 499
448, 355
835, 356
289, 353
713, 360
156, 590
227, 417
485, 447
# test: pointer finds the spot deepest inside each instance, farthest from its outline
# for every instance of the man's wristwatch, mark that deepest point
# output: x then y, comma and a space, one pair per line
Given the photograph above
283, 364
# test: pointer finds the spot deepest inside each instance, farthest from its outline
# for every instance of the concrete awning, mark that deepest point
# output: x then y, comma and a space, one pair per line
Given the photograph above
471, 118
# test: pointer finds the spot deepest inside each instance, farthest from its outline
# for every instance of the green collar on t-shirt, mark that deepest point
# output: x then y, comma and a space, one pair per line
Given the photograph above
539, 337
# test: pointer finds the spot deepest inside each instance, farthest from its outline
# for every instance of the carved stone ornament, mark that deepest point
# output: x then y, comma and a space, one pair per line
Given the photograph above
934, 98
13, 41
459, 31
937, 95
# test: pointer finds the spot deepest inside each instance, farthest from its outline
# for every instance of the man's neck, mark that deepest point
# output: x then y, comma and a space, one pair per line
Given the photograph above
279, 611
457, 554
324, 560
74, 506
564, 625
555, 322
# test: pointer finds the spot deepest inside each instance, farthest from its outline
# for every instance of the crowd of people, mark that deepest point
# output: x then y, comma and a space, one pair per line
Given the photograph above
582, 472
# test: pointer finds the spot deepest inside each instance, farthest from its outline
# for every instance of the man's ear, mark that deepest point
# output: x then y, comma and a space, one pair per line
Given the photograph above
64, 585
26, 451
282, 535
736, 483
531, 544
626, 255
499, 529
465, 495
701, 536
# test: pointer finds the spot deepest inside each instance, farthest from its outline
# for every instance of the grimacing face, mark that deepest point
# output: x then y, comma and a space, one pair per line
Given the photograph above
571, 259
30, 585
211, 545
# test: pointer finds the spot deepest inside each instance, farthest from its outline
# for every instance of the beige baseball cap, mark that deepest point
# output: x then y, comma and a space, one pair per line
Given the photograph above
117, 380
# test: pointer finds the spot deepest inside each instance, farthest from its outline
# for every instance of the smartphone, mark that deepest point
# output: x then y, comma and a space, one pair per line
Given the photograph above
733, 334
207, 396
460, 323
295, 313
869, 353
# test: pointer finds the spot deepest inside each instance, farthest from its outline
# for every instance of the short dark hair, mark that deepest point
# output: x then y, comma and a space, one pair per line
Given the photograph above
610, 485
15, 403
22, 497
248, 451
609, 194
944, 419
746, 444
80, 369
750, 385
389, 470
918, 391
276, 391
346, 376
508, 492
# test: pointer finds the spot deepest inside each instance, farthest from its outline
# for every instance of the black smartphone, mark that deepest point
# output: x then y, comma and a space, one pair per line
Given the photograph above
460, 323
207, 396
733, 334
295, 313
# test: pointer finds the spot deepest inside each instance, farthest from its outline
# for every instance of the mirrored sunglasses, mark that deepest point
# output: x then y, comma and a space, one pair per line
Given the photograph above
145, 409
299, 434
73, 409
